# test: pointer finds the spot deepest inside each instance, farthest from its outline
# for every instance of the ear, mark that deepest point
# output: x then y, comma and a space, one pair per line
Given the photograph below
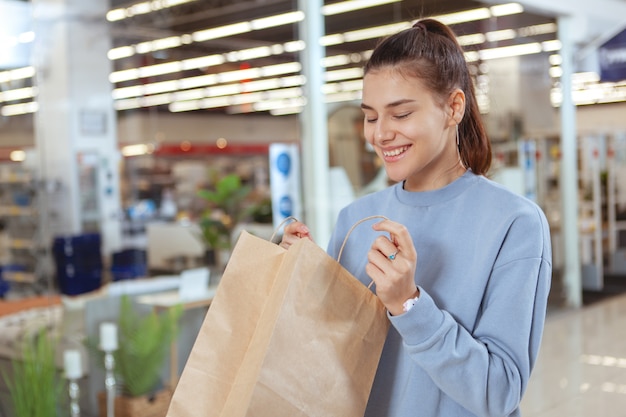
456, 106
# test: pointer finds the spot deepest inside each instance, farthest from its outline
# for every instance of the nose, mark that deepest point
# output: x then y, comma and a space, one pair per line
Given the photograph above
382, 132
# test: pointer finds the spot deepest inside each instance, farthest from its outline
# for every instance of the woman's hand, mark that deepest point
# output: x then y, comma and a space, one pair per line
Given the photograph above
294, 231
392, 264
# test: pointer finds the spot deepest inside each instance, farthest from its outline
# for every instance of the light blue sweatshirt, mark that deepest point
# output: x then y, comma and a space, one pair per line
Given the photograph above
468, 346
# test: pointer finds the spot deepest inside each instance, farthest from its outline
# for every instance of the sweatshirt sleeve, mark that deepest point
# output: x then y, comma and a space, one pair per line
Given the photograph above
486, 369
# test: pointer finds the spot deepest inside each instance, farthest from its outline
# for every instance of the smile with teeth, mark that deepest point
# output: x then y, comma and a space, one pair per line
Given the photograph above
395, 152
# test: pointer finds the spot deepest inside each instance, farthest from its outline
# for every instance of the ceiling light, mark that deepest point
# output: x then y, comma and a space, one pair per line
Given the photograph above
116, 14
335, 61
509, 51
202, 62
349, 6
535, 30
140, 8
17, 74
555, 59
555, 72
465, 16
330, 40
506, 9
344, 74
473, 39
286, 111
135, 150
160, 69
375, 32
500, 35
21, 108
278, 104
121, 52
221, 32
277, 20
17, 156
18, 94
551, 46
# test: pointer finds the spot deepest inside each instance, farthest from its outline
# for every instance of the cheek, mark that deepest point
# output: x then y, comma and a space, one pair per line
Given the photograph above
368, 132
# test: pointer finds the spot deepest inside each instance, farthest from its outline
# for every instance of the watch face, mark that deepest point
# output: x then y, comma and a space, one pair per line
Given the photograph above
408, 304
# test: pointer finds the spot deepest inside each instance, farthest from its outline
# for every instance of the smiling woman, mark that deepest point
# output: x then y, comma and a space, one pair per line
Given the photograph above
460, 257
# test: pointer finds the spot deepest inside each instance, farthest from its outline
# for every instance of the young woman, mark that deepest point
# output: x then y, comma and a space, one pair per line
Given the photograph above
463, 265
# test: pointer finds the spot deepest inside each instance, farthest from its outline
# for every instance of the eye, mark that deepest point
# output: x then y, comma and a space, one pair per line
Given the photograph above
370, 119
403, 115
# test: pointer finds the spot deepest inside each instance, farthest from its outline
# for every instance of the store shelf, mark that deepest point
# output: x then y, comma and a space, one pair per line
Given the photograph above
19, 215
17, 211
20, 277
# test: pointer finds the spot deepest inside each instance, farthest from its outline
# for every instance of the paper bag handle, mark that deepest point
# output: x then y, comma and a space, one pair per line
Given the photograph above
280, 226
345, 239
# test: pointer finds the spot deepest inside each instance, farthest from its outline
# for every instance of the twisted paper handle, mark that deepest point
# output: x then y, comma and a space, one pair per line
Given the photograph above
376, 216
345, 239
280, 226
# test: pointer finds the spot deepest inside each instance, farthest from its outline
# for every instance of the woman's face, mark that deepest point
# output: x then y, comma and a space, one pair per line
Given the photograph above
412, 133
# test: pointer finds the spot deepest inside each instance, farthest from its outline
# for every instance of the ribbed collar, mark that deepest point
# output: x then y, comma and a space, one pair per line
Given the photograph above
438, 196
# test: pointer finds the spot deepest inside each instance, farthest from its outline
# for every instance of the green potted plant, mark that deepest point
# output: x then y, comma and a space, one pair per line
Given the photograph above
144, 342
33, 382
228, 204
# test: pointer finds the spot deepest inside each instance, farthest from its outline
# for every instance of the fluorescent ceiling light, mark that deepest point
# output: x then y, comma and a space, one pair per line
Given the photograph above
221, 32
202, 62
121, 52
344, 74
336, 61
17, 74
506, 9
160, 69
286, 111
375, 32
142, 8
21, 108
277, 104
551, 46
473, 39
509, 51
535, 30
500, 35
349, 6
465, 16
18, 94
277, 20
247, 54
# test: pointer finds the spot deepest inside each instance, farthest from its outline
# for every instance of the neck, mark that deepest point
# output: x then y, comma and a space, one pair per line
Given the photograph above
444, 178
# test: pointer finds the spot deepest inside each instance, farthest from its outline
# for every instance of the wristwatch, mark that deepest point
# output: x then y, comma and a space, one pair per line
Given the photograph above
408, 304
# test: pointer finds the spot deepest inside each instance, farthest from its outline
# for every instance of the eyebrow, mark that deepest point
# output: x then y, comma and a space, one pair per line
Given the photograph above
390, 105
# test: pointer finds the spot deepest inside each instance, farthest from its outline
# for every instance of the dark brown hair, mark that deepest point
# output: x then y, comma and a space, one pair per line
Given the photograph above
429, 51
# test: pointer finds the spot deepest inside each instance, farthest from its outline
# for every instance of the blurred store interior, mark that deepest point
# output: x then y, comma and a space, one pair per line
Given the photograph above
138, 138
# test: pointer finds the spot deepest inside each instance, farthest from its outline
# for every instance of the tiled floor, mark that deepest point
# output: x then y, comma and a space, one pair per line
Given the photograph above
581, 370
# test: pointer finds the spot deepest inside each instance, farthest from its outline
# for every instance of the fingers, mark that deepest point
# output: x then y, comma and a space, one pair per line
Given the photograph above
392, 262
399, 237
293, 232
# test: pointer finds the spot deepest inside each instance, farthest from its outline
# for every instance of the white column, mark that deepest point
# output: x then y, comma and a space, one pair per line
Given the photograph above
569, 170
75, 125
313, 122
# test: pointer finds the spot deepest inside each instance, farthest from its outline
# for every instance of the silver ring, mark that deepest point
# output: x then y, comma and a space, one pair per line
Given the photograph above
392, 256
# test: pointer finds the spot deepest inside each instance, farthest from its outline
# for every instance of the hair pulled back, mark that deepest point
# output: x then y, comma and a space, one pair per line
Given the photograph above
429, 51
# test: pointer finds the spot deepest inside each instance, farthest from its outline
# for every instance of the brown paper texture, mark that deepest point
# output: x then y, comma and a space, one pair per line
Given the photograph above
289, 333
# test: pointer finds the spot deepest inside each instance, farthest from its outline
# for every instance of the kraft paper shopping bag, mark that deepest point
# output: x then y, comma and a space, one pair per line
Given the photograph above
289, 333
